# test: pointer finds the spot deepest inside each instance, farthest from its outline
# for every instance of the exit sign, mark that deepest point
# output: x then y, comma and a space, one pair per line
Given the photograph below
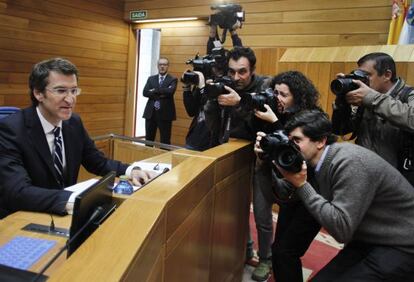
137, 15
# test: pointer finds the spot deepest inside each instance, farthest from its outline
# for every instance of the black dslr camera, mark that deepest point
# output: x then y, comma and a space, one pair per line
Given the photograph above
227, 15
203, 64
217, 59
251, 101
215, 89
286, 154
343, 85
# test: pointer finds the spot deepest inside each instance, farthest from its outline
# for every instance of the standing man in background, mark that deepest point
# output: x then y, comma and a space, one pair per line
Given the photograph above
160, 109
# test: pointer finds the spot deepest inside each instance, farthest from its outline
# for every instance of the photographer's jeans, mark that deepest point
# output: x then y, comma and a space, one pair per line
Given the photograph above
295, 231
361, 262
263, 200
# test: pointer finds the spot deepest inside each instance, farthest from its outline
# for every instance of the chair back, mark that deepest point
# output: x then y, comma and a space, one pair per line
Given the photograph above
6, 111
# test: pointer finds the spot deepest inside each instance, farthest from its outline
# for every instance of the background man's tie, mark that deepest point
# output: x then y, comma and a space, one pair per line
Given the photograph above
157, 104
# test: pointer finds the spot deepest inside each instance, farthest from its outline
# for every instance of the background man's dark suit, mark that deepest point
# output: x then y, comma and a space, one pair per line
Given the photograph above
26, 164
163, 117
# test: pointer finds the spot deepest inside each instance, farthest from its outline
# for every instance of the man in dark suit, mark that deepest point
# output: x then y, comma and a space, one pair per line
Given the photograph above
43, 146
160, 109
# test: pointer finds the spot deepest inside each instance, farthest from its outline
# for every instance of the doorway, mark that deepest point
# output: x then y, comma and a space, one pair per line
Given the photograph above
149, 42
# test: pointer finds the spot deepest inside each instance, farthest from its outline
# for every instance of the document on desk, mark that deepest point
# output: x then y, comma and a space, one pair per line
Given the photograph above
157, 168
81, 186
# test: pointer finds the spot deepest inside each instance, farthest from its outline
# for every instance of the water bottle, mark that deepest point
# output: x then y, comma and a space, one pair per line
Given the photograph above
123, 186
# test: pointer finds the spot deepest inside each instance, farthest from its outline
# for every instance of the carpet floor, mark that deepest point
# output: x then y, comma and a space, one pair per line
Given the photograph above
321, 251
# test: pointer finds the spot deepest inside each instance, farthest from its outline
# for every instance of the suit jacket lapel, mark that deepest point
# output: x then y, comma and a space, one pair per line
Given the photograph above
38, 138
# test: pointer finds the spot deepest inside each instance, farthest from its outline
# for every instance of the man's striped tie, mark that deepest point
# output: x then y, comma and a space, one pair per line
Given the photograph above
57, 156
157, 104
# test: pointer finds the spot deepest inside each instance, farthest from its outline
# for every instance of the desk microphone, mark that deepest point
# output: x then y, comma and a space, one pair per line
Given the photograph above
96, 213
52, 224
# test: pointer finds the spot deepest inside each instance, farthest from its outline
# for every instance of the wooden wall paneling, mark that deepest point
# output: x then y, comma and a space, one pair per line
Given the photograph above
129, 152
188, 248
64, 9
90, 34
161, 9
148, 264
229, 250
403, 53
153, 271
323, 83
410, 73
269, 25
182, 206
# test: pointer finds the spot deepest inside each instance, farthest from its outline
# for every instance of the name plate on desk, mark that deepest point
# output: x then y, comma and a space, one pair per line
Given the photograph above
46, 229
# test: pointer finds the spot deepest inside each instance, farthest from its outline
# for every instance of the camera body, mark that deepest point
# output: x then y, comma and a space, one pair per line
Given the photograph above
215, 89
343, 85
251, 101
203, 64
279, 148
227, 15
208, 65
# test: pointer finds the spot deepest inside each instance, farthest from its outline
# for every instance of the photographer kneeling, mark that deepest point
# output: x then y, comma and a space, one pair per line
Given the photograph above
356, 196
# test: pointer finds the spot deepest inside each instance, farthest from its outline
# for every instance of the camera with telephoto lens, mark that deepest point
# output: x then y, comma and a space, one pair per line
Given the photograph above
279, 148
208, 65
227, 15
216, 88
343, 85
203, 64
253, 101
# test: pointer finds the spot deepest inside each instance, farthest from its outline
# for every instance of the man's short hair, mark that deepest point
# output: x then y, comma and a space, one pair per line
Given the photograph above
315, 124
164, 58
239, 52
383, 62
39, 76
305, 94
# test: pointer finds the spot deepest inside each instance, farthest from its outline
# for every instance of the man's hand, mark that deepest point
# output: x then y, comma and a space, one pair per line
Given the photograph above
268, 116
257, 148
231, 99
297, 179
356, 96
140, 177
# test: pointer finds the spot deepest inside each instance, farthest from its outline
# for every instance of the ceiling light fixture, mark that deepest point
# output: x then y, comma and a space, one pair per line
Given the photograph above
166, 20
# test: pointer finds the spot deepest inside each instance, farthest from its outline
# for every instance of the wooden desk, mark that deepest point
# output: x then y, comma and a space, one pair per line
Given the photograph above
188, 225
12, 225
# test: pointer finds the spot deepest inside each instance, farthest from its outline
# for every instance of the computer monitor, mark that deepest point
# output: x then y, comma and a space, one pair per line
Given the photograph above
98, 197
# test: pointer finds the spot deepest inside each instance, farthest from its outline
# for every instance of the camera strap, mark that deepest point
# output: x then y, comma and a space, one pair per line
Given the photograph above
407, 153
225, 125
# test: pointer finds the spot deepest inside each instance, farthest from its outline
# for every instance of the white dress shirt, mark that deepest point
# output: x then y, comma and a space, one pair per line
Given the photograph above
50, 137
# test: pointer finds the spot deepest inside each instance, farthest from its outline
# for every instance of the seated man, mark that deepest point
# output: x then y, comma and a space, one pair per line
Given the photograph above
358, 197
43, 146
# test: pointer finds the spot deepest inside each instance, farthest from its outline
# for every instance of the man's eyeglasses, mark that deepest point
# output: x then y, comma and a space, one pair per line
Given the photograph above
61, 91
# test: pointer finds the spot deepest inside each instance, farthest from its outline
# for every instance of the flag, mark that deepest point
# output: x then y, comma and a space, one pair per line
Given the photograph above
407, 32
399, 11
